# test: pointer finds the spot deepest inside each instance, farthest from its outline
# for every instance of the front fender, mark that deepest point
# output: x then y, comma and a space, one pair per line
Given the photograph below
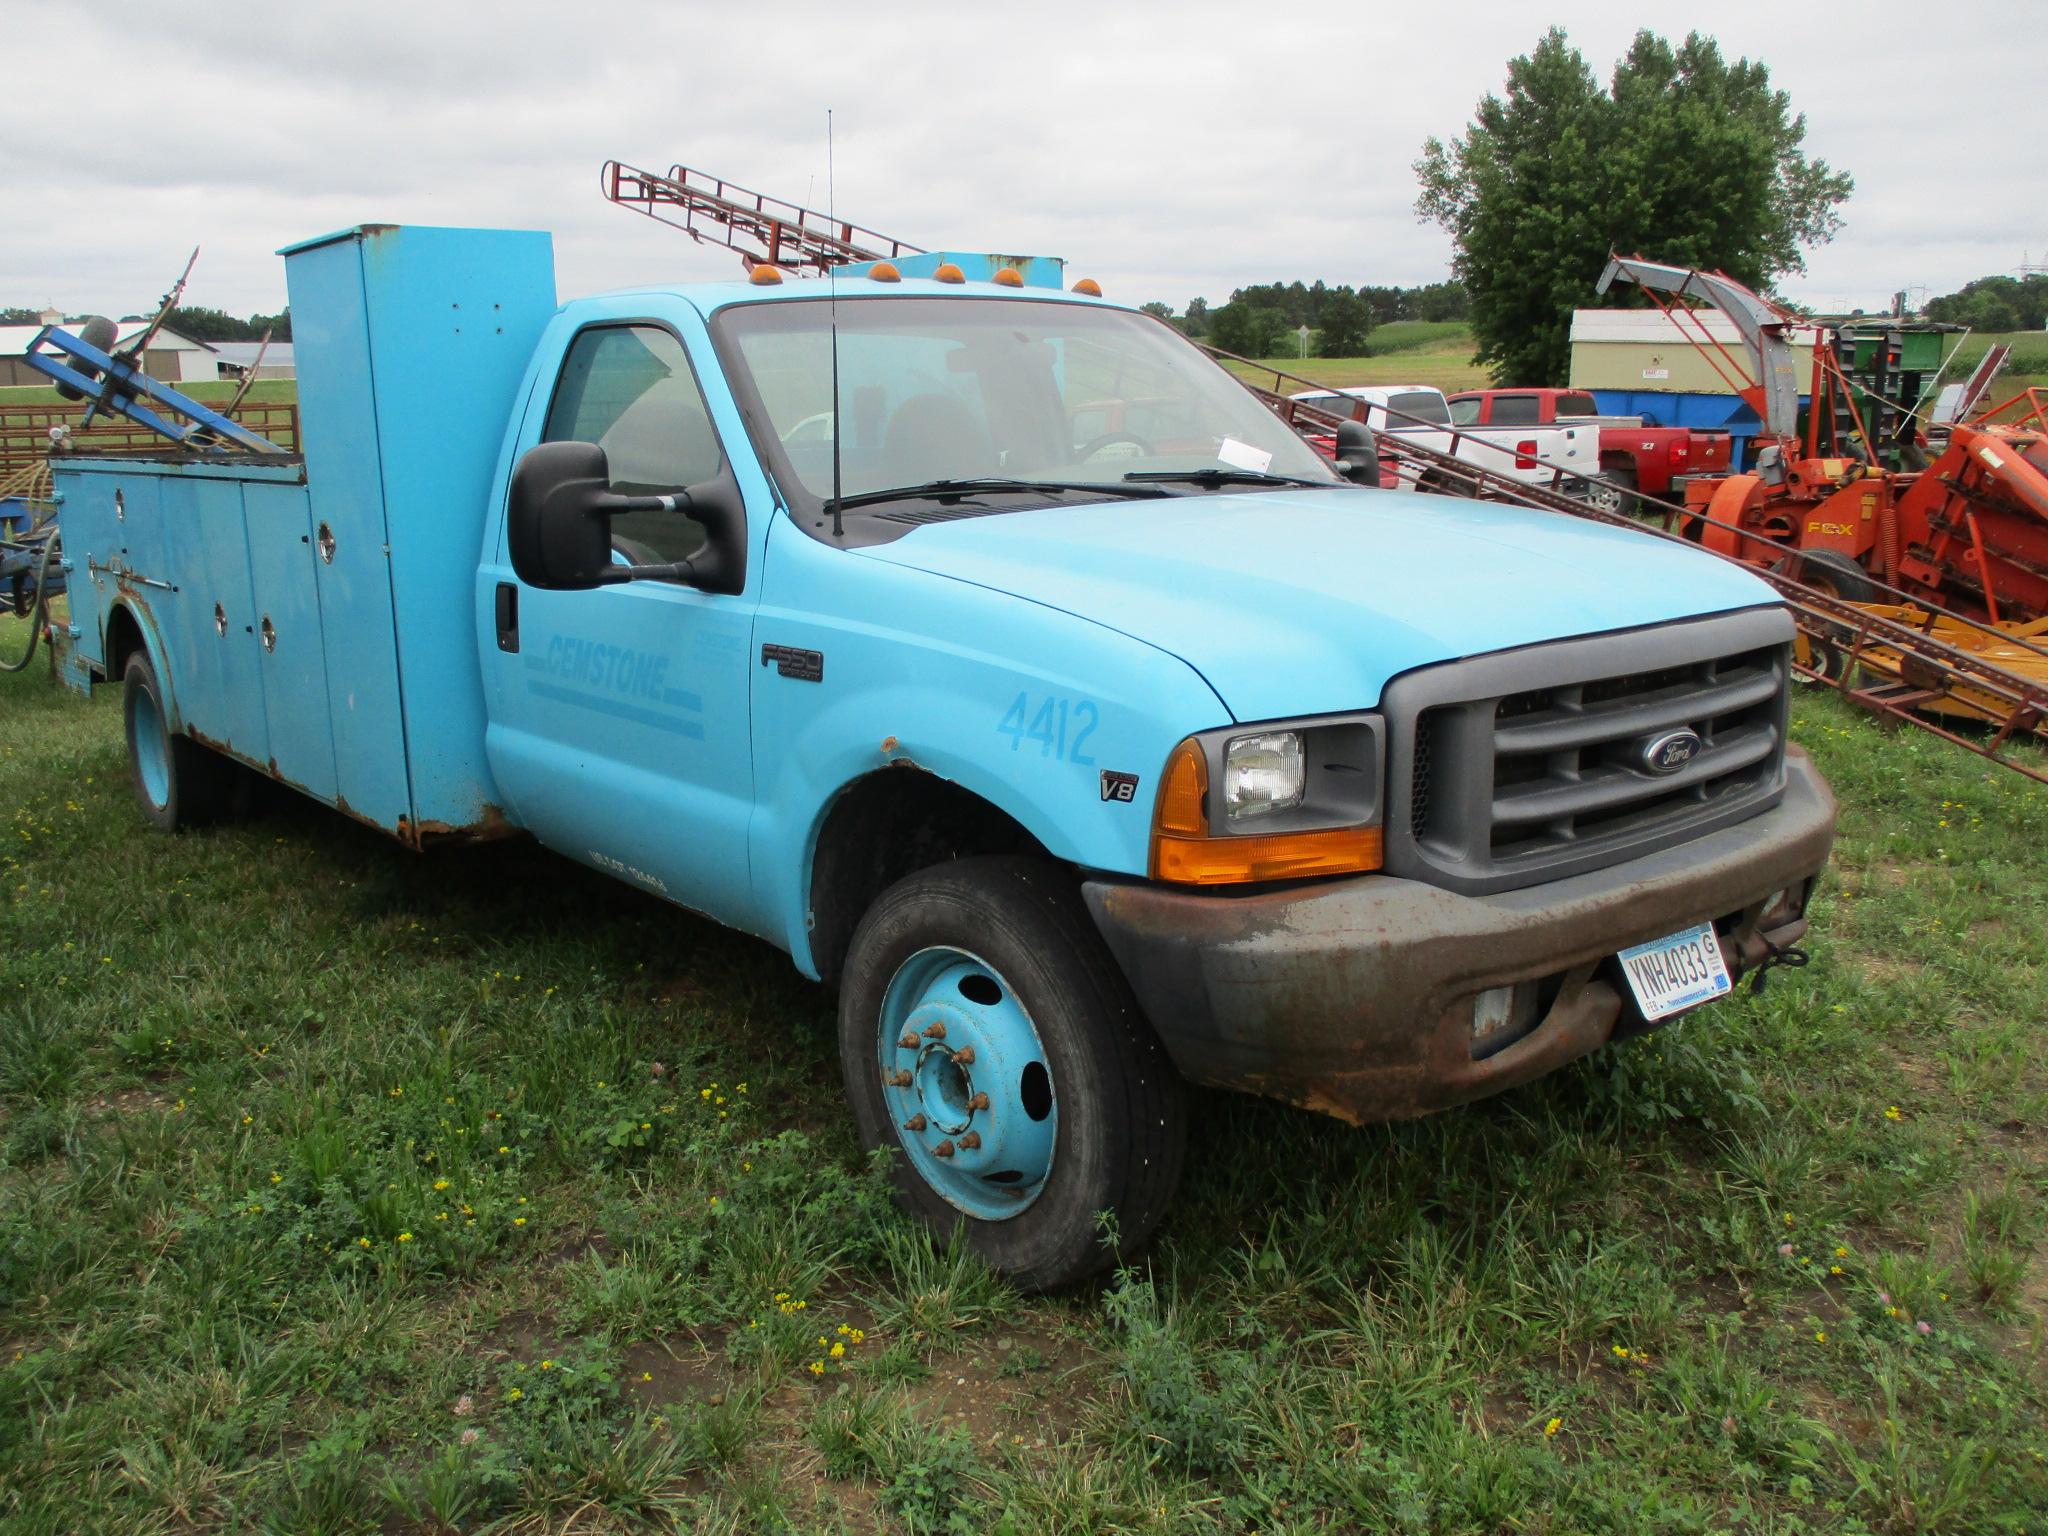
1032, 709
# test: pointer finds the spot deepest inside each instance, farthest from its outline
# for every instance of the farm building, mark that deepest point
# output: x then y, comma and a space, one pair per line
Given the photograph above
1642, 350
236, 358
169, 356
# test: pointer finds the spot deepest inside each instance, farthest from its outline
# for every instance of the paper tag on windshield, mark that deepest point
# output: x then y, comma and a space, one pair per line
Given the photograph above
1243, 455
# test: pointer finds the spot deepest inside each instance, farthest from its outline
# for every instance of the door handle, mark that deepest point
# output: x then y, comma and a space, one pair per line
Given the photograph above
508, 616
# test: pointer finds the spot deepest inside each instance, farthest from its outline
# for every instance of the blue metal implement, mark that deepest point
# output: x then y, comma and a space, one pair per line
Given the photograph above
113, 384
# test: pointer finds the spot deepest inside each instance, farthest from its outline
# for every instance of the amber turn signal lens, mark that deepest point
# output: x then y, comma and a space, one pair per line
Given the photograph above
1008, 277
885, 272
1184, 794
765, 276
946, 272
1089, 286
1275, 856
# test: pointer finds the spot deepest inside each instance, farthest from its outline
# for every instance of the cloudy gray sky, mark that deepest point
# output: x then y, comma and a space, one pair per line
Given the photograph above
1168, 150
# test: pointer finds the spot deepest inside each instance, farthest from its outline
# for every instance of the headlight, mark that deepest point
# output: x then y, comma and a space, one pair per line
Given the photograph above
1296, 800
1262, 774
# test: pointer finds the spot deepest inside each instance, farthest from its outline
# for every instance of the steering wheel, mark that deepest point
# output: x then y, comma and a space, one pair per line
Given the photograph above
1090, 449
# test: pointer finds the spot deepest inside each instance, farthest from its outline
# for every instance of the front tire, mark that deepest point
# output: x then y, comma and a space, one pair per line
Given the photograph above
178, 783
989, 1040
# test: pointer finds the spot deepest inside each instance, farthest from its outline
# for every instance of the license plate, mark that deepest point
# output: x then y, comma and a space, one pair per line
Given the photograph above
1672, 974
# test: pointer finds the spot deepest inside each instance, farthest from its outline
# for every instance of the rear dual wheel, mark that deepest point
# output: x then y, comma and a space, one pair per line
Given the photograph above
989, 1040
178, 783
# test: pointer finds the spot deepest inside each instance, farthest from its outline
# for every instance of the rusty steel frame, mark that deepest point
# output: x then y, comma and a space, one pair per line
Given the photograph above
762, 229
1820, 615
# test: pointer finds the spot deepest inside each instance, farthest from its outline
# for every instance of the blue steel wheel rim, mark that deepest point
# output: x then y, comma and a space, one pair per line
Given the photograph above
152, 746
966, 1083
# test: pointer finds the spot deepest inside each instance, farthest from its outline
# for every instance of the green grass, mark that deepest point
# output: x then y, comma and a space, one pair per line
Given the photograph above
1679, 1287
217, 392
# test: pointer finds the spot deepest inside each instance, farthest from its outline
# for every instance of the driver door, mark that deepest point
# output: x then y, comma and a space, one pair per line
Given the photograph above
619, 725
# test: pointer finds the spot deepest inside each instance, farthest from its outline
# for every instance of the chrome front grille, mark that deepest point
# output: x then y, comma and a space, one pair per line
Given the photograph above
1529, 765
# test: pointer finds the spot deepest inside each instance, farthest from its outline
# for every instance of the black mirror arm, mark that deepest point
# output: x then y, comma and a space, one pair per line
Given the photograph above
611, 505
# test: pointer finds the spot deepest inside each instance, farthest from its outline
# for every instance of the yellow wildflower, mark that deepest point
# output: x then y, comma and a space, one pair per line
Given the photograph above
1553, 1426
817, 1367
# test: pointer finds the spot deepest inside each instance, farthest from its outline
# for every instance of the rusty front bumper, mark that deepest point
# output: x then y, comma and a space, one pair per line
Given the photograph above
1356, 997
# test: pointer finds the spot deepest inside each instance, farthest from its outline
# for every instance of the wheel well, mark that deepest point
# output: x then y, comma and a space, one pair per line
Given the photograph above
124, 637
1609, 462
888, 825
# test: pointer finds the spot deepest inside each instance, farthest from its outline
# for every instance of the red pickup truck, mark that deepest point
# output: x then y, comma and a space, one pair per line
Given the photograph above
1633, 457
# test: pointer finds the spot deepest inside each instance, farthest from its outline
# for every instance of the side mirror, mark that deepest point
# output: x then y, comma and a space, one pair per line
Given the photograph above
1358, 453
559, 524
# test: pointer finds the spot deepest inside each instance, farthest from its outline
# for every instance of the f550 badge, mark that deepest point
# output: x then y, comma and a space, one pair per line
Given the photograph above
1121, 787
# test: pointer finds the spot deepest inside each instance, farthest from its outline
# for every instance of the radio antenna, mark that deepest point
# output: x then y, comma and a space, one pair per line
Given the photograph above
832, 278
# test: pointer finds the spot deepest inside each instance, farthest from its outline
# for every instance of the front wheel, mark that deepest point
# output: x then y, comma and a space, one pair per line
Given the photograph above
988, 1039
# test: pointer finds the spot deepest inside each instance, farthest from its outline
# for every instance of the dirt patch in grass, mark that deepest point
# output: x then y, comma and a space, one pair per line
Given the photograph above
1018, 1387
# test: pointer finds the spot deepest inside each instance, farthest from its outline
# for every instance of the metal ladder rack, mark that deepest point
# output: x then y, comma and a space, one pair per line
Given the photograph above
762, 229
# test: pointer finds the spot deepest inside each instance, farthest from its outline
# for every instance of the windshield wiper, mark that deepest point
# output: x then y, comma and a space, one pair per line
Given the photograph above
952, 490
1213, 477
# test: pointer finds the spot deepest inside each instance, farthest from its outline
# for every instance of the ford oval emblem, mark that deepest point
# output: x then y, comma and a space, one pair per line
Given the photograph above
1669, 751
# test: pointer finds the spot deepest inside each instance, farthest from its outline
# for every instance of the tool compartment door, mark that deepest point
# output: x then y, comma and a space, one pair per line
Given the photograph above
213, 646
289, 643
349, 542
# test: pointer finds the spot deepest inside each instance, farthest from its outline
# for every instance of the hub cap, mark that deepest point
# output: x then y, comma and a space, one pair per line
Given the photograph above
152, 747
966, 1084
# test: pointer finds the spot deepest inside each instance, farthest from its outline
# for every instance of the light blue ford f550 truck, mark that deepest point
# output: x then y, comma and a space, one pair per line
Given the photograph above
993, 652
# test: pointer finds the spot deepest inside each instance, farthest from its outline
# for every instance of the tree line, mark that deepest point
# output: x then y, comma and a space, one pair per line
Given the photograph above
1263, 320
1995, 303
193, 320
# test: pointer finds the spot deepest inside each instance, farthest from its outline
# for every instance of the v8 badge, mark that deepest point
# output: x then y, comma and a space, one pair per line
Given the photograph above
1121, 787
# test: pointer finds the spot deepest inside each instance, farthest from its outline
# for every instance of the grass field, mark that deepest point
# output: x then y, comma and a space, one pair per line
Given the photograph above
217, 393
347, 1189
1405, 352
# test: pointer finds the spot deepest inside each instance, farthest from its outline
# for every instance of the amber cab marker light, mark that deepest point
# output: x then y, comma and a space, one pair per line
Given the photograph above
948, 273
1008, 277
765, 276
1184, 853
885, 272
1089, 286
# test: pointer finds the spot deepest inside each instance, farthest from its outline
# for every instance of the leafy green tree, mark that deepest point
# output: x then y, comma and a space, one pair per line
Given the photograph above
1684, 158
1195, 321
1157, 310
1248, 329
1344, 320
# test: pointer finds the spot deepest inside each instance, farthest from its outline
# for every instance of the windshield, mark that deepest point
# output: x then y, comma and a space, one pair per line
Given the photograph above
971, 388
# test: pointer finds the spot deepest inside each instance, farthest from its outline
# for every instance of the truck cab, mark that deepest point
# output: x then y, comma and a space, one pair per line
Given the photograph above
1633, 456
992, 652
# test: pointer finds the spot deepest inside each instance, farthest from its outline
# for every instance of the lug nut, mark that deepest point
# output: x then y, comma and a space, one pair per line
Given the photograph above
943, 1149
908, 1042
899, 1079
971, 1142
964, 1057
914, 1123
936, 1030
979, 1101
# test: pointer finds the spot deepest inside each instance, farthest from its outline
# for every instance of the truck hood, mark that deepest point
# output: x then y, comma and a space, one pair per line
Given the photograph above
1299, 602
